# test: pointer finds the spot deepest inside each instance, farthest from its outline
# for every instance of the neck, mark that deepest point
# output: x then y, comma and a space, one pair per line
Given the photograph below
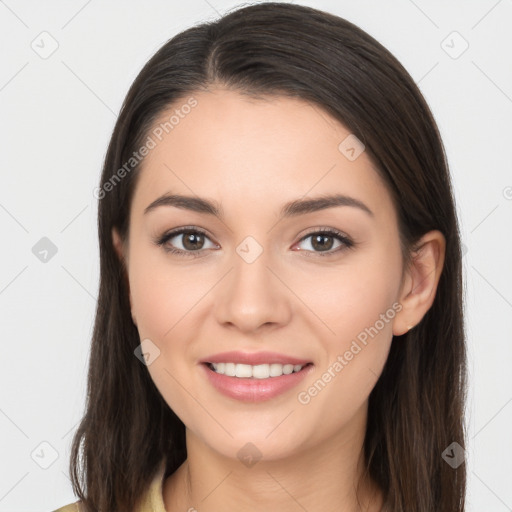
324, 477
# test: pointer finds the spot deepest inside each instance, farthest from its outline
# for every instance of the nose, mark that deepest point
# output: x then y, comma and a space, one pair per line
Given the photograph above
252, 296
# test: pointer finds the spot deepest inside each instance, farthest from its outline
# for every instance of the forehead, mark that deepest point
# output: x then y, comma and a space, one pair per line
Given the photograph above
242, 150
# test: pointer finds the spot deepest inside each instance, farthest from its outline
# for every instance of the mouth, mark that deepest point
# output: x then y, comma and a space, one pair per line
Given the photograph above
259, 371
254, 383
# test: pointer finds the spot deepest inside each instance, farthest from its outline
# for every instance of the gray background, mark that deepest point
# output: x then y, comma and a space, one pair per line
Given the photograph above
57, 114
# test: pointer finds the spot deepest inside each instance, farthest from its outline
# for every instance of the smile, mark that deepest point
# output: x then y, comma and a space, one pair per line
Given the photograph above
248, 383
260, 371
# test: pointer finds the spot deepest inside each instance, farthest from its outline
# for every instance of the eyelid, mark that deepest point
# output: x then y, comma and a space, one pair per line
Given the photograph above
345, 240
168, 235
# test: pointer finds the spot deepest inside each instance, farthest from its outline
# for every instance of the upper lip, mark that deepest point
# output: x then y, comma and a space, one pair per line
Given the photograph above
253, 358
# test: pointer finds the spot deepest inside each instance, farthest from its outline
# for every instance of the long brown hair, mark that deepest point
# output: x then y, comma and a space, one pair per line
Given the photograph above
416, 409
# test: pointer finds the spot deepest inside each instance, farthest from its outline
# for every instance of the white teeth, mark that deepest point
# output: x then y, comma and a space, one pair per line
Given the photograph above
260, 371
230, 369
275, 370
287, 369
242, 370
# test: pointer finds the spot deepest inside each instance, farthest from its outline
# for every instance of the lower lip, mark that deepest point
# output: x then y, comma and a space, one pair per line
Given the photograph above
254, 390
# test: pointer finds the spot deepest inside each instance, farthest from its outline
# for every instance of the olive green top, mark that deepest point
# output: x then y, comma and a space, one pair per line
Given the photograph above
151, 502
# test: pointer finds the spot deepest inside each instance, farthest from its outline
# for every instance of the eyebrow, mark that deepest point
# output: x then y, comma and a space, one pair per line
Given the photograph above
291, 209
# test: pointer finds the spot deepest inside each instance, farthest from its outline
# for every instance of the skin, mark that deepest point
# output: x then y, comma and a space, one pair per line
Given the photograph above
252, 156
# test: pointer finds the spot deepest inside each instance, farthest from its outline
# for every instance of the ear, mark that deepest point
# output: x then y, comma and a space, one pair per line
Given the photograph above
119, 247
118, 244
420, 281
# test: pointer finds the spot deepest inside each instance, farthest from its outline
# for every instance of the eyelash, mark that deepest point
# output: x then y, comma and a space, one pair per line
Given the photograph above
347, 242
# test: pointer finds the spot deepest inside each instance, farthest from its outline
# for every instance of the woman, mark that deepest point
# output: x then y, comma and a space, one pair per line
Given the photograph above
279, 323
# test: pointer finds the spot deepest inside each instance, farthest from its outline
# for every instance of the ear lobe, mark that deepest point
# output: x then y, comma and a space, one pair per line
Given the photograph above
118, 244
420, 281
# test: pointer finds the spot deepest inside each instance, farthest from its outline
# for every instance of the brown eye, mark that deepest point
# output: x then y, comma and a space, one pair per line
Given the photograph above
323, 241
191, 241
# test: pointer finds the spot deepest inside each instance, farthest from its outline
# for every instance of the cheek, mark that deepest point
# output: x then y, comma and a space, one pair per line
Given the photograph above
161, 296
163, 300
357, 306
349, 300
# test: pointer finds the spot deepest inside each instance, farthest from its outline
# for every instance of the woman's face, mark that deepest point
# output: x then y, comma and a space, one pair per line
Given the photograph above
256, 278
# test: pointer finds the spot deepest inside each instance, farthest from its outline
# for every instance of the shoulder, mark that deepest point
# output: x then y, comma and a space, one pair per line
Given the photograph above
72, 507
